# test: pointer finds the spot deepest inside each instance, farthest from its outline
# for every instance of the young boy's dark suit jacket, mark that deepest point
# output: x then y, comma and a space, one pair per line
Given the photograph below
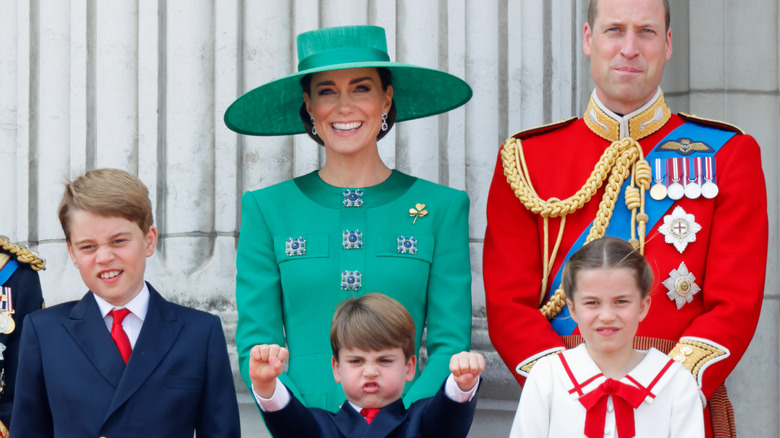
436, 416
72, 381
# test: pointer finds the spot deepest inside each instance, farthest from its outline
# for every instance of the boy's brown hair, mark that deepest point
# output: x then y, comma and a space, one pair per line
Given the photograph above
372, 322
107, 192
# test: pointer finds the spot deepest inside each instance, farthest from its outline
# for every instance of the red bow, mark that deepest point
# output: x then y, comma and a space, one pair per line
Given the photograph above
625, 398
369, 413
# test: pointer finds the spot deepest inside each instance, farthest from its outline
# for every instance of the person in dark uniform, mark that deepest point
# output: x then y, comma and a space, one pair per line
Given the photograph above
20, 295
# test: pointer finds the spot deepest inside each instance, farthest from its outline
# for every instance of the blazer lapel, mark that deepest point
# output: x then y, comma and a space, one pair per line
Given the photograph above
350, 423
89, 332
158, 333
388, 420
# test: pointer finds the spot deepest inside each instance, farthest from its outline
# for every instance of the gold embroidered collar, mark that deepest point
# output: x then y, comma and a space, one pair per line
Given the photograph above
637, 125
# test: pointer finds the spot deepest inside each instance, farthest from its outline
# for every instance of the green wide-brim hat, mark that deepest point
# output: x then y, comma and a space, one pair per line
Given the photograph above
273, 108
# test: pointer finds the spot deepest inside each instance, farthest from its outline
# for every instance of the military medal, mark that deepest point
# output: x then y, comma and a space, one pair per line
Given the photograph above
692, 184
709, 189
679, 229
676, 190
681, 285
658, 191
7, 323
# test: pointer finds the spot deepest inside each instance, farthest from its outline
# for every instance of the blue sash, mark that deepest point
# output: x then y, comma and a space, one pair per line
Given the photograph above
8, 270
620, 223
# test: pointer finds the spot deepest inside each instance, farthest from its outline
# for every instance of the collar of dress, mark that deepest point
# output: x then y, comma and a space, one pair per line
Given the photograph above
328, 196
646, 120
652, 373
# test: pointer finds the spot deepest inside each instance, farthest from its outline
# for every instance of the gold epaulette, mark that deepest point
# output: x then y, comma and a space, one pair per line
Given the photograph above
23, 254
714, 123
696, 355
542, 129
524, 367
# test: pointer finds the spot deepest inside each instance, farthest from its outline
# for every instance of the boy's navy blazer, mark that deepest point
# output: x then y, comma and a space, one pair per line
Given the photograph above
436, 416
72, 381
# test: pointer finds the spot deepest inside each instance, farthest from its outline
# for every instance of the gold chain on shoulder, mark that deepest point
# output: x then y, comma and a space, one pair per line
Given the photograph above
23, 254
621, 160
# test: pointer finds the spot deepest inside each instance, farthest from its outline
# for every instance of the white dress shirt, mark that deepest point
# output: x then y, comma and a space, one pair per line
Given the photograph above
134, 320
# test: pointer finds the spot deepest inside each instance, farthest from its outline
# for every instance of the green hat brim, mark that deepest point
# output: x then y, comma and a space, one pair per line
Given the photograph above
273, 108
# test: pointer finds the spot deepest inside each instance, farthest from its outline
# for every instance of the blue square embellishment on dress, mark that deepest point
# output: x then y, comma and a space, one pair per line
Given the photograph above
353, 240
350, 280
407, 246
353, 198
295, 247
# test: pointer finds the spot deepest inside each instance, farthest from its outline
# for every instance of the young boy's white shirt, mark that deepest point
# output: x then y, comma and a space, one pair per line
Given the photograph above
134, 320
547, 409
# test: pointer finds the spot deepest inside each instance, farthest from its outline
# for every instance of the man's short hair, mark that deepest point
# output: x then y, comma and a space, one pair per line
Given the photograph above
107, 192
372, 322
593, 11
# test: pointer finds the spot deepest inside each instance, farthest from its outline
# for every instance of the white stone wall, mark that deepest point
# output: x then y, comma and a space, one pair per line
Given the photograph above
142, 85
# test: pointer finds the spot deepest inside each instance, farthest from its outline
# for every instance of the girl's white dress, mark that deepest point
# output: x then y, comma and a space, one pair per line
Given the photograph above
669, 404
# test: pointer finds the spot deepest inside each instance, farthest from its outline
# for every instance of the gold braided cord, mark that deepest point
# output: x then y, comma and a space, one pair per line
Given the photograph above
23, 254
516, 172
621, 160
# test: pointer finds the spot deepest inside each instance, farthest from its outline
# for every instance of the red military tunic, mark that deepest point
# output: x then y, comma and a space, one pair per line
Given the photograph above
727, 258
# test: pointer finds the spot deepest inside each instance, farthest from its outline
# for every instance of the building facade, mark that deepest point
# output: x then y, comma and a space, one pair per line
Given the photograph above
142, 85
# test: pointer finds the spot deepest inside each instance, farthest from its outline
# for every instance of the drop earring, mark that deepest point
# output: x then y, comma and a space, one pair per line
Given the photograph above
313, 129
384, 121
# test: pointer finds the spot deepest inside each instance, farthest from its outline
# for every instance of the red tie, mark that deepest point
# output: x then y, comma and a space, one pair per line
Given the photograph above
625, 398
119, 335
369, 413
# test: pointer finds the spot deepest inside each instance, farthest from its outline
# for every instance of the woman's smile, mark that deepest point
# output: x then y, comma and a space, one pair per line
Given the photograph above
347, 107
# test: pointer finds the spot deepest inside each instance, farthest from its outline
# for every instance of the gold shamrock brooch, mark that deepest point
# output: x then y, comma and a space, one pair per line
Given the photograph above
418, 211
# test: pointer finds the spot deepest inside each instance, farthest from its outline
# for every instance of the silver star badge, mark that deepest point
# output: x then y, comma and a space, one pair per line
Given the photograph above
681, 286
679, 229
2, 349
